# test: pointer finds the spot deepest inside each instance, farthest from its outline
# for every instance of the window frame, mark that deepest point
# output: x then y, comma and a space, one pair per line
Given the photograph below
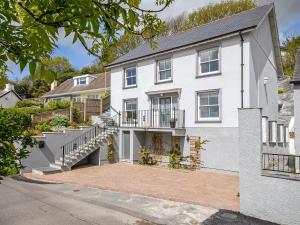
125, 111
200, 74
125, 85
78, 81
157, 74
198, 111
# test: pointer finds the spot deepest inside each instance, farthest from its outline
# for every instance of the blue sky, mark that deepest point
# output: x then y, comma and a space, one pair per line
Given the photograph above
287, 12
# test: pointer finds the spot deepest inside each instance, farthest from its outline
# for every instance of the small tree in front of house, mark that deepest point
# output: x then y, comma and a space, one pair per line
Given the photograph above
110, 150
196, 155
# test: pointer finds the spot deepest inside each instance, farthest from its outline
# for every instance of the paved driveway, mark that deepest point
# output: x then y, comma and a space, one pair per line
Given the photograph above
214, 190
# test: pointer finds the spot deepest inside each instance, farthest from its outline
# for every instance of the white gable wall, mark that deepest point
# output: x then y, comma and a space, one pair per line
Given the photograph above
9, 100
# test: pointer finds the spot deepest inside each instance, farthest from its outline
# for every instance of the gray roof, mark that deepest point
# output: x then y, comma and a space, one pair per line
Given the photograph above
232, 24
297, 68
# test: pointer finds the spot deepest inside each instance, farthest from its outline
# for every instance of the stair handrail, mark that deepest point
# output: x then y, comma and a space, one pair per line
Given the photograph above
79, 141
118, 113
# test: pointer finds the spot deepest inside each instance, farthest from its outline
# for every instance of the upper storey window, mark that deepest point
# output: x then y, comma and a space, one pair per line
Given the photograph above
209, 61
81, 81
164, 70
130, 77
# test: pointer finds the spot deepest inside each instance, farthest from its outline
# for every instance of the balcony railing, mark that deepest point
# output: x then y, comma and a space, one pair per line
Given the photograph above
167, 118
281, 163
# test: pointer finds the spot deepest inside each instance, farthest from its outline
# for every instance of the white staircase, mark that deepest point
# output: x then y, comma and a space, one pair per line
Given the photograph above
81, 147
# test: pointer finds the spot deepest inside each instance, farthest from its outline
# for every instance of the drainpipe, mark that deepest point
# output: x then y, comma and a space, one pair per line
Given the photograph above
242, 70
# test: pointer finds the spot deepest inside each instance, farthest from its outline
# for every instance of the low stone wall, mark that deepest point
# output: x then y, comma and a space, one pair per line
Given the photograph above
44, 116
261, 194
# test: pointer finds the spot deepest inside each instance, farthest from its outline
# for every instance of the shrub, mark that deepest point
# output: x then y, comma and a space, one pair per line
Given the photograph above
174, 157
43, 126
60, 120
105, 94
58, 104
76, 115
28, 103
111, 150
146, 157
281, 90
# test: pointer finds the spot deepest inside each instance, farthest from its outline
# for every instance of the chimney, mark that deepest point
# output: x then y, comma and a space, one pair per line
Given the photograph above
53, 85
9, 87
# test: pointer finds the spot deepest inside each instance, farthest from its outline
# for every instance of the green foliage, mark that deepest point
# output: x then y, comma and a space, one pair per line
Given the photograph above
195, 156
43, 126
23, 88
60, 120
30, 28
76, 115
174, 157
291, 44
146, 157
39, 87
3, 78
28, 103
105, 94
14, 127
59, 104
281, 90
111, 150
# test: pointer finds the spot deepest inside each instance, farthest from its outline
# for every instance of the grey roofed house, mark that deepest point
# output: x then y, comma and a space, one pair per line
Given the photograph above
8, 96
98, 83
296, 79
243, 21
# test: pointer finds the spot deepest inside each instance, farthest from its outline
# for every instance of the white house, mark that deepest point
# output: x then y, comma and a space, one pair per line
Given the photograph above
199, 79
8, 97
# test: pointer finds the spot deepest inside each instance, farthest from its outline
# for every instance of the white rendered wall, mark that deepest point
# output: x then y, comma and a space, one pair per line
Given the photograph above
184, 76
9, 100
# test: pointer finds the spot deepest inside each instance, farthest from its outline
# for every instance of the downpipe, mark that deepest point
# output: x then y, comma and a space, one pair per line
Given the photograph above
242, 69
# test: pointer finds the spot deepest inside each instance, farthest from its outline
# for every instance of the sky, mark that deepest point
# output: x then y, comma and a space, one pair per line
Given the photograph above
287, 15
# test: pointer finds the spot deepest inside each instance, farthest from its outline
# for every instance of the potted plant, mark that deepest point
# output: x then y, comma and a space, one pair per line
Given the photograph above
172, 122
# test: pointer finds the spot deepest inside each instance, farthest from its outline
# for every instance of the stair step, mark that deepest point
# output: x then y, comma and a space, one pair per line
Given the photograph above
45, 170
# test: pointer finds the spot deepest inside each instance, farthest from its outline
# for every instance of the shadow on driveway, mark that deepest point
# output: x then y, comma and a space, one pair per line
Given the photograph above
27, 180
227, 217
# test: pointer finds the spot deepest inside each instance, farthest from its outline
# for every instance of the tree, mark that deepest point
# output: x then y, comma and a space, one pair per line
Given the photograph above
23, 88
291, 44
30, 28
13, 128
51, 69
3, 79
39, 87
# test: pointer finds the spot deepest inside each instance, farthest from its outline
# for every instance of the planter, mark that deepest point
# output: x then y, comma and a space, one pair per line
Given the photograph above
172, 124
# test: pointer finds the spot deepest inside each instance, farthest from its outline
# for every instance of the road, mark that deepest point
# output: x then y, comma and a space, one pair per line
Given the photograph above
29, 202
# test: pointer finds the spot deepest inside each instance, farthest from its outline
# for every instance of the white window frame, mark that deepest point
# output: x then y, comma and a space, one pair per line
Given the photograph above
158, 80
125, 77
198, 111
264, 124
219, 61
125, 118
272, 131
79, 81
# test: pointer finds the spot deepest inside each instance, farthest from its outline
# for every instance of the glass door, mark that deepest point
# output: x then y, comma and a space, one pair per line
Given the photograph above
164, 111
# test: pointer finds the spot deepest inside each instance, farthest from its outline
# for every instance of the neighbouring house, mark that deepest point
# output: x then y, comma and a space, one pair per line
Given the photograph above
8, 96
90, 86
192, 85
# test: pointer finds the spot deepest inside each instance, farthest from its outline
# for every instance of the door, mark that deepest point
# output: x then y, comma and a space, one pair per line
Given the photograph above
164, 111
126, 145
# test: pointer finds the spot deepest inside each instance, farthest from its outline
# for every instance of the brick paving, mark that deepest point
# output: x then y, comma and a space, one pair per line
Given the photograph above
198, 187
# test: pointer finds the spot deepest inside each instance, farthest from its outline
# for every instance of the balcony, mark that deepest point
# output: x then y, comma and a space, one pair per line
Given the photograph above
167, 118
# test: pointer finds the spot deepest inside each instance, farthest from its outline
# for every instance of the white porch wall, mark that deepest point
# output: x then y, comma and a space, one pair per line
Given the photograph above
184, 77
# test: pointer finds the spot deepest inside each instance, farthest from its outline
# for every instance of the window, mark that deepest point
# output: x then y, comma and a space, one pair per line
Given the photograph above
93, 97
164, 70
209, 61
272, 131
130, 107
264, 123
208, 105
130, 77
81, 80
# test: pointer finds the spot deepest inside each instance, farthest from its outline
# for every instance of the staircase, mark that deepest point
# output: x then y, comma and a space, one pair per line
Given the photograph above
81, 147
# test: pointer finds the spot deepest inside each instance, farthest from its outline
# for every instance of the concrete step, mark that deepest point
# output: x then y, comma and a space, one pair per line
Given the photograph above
46, 170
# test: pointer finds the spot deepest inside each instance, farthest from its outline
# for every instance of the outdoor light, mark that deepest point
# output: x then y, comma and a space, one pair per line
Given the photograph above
266, 79
41, 144
187, 138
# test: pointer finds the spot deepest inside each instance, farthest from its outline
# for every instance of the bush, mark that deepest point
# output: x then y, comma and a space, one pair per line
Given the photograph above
76, 115
281, 90
111, 150
146, 157
60, 120
43, 126
58, 104
105, 94
174, 157
28, 103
